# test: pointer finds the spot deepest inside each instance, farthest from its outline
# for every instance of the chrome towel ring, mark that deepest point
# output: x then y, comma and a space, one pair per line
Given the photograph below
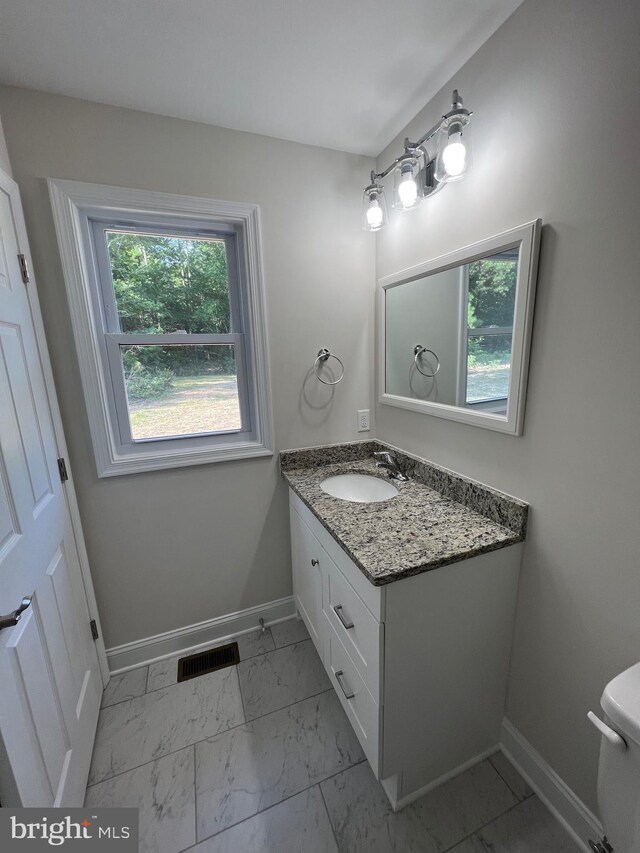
419, 350
323, 356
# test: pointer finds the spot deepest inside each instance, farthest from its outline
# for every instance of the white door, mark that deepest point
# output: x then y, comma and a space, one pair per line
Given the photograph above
50, 681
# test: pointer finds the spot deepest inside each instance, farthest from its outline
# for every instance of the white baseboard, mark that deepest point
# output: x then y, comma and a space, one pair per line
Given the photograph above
403, 802
191, 638
566, 807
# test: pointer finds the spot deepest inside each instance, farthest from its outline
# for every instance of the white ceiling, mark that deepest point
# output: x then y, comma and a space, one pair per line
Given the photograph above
344, 74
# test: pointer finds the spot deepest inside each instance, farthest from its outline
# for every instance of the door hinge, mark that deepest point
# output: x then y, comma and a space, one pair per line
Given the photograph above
94, 629
62, 468
24, 269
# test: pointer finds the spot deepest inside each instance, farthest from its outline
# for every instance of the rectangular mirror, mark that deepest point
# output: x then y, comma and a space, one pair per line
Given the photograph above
455, 332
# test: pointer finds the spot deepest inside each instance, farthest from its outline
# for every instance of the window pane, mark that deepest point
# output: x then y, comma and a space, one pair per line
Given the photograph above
492, 290
488, 367
181, 390
169, 284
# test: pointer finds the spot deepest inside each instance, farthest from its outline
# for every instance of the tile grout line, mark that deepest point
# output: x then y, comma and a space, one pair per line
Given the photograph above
244, 710
209, 737
285, 645
275, 710
484, 826
505, 781
324, 803
285, 799
272, 652
195, 796
191, 846
127, 698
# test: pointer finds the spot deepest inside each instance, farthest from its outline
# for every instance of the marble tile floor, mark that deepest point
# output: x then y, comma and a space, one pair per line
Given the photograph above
260, 758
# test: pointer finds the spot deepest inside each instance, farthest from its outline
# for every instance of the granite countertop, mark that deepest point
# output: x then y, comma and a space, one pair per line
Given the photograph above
421, 529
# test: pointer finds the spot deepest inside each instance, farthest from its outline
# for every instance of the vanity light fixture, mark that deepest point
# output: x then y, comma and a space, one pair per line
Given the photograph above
453, 160
417, 175
407, 190
374, 207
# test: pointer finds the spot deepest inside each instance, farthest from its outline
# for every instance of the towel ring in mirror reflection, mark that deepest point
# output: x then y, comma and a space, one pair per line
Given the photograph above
419, 350
323, 356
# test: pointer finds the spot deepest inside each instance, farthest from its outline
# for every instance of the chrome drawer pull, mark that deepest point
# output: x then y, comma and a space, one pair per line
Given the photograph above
339, 675
315, 562
338, 611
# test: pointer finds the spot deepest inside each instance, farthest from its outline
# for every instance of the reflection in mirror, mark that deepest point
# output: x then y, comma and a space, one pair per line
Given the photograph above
456, 332
449, 334
487, 338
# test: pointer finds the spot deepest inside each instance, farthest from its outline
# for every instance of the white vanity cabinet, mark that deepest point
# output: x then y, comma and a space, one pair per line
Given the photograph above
420, 664
347, 634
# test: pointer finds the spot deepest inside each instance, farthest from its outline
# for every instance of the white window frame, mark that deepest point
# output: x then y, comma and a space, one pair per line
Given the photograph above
80, 211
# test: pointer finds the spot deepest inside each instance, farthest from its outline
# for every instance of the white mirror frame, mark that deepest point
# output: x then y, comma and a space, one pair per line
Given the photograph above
527, 238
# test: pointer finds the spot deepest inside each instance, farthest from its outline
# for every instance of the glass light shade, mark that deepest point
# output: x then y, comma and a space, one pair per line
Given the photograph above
454, 158
374, 208
407, 190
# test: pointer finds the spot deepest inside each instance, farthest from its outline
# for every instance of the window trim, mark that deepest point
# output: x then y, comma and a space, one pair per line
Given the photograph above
111, 337
74, 203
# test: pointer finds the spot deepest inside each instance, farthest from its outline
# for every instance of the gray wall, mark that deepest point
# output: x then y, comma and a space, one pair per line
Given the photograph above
5, 165
556, 127
176, 547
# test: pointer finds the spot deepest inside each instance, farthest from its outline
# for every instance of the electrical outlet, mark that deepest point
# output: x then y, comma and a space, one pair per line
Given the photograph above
363, 420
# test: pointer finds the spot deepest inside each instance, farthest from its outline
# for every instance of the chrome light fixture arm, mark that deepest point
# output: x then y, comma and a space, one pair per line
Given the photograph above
456, 110
412, 147
418, 165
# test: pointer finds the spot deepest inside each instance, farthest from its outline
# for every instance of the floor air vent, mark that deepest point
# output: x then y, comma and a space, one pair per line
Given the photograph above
208, 661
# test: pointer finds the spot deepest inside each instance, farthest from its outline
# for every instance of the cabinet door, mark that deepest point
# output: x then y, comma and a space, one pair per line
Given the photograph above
307, 555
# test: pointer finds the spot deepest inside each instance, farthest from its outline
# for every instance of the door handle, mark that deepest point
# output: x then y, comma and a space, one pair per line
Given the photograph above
13, 618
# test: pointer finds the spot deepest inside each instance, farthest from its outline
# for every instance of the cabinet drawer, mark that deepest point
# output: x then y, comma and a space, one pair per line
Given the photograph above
360, 633
362, 711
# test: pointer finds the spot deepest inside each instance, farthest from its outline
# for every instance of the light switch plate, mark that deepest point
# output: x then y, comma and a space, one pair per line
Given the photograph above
363, 420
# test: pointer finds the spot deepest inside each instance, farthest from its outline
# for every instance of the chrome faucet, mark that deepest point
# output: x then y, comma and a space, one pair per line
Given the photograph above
387, 461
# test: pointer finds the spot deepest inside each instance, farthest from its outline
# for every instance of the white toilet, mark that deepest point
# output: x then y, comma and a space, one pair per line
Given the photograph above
619, 770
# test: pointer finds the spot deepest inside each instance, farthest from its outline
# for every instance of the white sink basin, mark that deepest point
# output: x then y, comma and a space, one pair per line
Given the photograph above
359, 488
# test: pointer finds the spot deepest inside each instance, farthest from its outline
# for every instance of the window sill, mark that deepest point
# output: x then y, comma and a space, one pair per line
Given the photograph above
138, 463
